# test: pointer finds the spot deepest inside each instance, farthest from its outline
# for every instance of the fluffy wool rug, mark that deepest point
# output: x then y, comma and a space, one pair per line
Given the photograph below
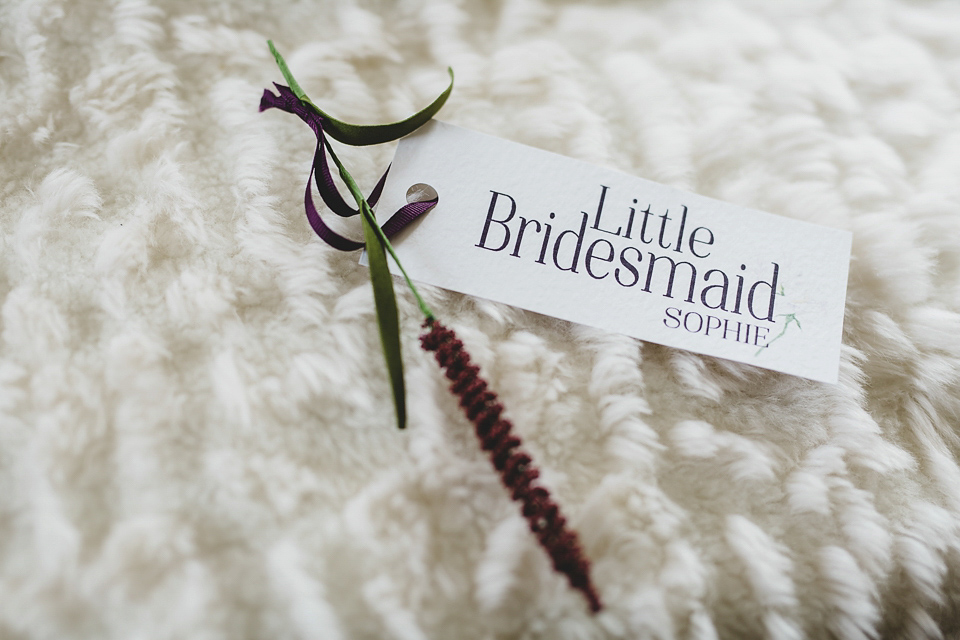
197, 436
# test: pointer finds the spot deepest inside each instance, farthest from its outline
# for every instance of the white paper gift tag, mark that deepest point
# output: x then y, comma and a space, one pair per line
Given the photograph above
595, 246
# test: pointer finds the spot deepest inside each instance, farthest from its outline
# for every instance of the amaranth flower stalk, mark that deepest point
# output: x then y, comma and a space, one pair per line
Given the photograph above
483, 409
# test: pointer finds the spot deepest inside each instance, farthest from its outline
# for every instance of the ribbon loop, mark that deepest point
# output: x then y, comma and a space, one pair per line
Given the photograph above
287, 100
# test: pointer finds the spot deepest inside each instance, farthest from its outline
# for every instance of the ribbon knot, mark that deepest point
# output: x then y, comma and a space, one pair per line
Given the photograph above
287, 100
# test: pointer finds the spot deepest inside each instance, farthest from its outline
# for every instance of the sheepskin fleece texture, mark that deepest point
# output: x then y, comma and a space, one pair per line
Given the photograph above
197, 437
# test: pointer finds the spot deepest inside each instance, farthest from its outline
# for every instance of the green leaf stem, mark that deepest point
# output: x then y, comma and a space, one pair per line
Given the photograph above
387, 319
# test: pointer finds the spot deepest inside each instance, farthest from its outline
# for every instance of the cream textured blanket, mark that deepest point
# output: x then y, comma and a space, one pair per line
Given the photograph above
196, 431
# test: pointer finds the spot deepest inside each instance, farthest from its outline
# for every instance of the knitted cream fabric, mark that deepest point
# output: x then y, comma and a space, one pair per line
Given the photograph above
196, 433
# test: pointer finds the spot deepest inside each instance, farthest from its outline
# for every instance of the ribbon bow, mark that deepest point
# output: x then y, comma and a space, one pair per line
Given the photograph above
287, 100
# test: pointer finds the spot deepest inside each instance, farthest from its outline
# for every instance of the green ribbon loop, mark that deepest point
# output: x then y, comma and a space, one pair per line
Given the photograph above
360, 135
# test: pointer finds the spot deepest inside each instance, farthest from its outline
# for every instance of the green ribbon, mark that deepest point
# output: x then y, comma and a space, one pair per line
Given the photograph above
376, 243
361, 135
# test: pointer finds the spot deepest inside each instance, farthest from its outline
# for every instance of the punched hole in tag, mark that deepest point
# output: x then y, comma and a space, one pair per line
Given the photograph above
421, 192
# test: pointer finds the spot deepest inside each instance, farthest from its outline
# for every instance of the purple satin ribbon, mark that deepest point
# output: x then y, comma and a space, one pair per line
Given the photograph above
287, 101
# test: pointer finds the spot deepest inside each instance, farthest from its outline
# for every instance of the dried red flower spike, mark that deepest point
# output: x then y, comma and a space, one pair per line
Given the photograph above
482, 408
